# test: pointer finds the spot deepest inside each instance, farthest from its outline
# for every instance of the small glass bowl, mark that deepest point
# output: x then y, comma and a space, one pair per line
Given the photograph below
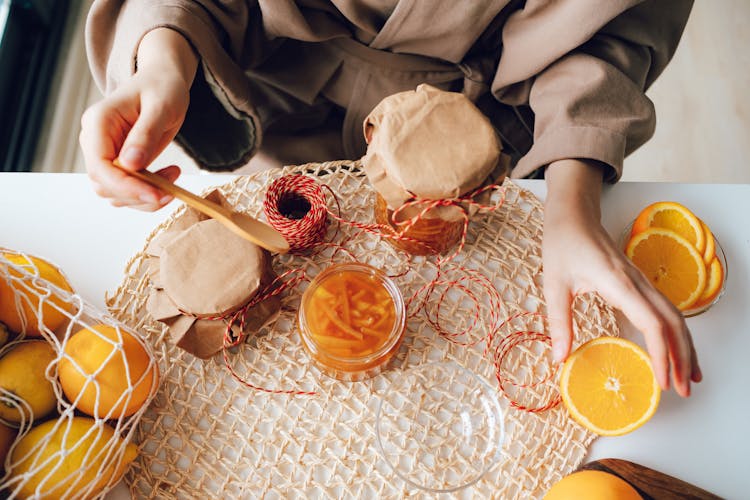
440, 427
351, 368
719, 251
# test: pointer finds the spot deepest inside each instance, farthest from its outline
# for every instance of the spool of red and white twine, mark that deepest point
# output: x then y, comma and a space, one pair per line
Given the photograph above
295, 205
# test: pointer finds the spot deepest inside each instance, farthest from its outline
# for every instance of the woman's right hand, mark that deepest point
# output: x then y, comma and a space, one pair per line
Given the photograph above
136, 122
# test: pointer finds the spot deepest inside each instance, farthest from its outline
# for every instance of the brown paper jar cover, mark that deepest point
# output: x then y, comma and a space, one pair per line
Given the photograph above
429, 144
200, 271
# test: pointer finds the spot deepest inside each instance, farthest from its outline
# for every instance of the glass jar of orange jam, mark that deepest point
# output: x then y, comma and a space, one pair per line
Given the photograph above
433, 234
351, 321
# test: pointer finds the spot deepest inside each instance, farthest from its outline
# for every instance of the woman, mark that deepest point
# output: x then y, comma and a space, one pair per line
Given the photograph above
563, 83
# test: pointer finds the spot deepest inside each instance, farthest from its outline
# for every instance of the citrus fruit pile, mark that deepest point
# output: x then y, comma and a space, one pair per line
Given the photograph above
677, 253
609, 387
103, 371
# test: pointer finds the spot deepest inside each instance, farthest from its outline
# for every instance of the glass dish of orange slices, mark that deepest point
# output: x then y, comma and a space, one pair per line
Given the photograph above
679, 254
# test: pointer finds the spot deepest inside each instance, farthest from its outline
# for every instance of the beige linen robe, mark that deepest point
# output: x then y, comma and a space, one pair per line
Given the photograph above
558, 79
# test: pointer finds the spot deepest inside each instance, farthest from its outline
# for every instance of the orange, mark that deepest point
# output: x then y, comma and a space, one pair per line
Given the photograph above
25, 392
71, 458
671, 215
592, 484
18, 303
713, 283
609, 387
710, 252
117, 361
671, 263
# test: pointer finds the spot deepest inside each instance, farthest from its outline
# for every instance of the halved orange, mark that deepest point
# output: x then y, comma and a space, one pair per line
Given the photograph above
713, 283
609, 387
671, 263
672, 215
710, 252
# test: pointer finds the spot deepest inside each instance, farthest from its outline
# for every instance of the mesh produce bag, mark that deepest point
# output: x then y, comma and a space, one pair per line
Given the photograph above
100, 380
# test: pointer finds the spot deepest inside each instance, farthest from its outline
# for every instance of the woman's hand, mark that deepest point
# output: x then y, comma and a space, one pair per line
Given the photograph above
579, 256
137, 121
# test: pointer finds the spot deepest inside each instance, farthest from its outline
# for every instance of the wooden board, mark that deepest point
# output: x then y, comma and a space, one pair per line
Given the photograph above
651, 484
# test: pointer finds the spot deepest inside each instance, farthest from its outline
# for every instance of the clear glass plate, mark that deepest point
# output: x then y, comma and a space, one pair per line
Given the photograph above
625, 236
440, 427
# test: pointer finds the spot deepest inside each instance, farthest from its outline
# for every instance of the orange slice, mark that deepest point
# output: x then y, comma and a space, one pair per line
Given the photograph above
609, 387
710, 252
713, 283
671, 215
671, 263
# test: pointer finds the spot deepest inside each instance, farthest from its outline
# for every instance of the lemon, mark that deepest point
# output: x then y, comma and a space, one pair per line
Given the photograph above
65, 458
14, 294
107, 372
22, 376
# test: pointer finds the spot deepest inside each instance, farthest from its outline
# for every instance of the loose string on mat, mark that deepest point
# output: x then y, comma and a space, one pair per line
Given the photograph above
468, 277
503, 349
276, 287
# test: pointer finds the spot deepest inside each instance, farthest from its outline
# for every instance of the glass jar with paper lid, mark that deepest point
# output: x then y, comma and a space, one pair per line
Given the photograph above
351, 321
428, 152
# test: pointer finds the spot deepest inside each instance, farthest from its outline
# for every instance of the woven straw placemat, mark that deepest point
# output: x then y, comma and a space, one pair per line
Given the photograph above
207, 436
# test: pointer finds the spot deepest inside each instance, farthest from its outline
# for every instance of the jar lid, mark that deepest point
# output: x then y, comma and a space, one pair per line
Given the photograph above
440, 427
429, 143
208, 270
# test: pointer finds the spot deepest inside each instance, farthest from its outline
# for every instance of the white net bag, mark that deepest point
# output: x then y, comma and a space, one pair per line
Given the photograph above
73, 386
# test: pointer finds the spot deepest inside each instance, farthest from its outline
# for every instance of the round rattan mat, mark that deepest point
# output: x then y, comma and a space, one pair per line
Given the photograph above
207, 436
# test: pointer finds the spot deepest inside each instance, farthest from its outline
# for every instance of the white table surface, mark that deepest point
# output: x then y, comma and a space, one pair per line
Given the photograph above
704, 439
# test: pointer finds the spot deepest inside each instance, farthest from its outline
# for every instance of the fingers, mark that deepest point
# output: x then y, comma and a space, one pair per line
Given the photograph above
664, 329
151, 132
625, 295
135, 128
170, 173
675, 331
696, 375
102, 130
559, 301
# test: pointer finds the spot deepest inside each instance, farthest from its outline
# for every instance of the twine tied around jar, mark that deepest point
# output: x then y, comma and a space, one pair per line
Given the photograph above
466, 203
237, 317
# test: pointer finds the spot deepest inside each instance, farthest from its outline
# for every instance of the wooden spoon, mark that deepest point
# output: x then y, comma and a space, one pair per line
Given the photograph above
241, 224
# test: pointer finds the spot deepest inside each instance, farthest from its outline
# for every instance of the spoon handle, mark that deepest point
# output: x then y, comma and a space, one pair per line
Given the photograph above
243, 225
207, 207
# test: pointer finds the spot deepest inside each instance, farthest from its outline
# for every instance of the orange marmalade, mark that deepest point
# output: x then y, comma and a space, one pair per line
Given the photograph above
351, 321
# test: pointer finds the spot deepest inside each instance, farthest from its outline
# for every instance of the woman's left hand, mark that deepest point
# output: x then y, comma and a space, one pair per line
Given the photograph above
579, 256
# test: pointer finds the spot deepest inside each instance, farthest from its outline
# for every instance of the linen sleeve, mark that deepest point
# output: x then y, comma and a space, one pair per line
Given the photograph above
221, 129
590, 103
